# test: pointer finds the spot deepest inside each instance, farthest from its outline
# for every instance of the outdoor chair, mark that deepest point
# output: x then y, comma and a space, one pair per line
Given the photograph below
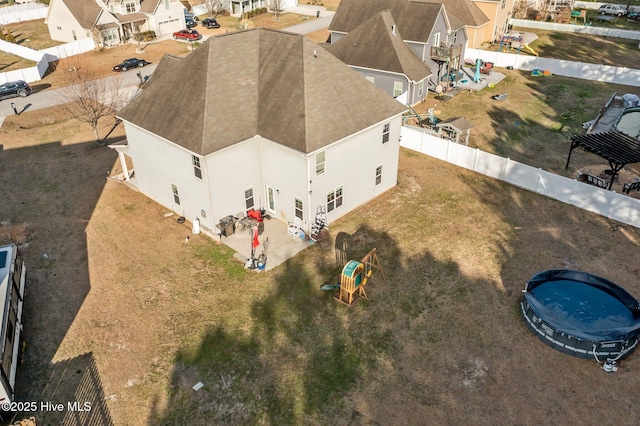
294, 228
631, 186
596, 181
241, 220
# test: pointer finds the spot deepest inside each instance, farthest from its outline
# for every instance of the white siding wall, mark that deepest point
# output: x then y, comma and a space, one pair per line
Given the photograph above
352, 164
167, 21
158, 164
230, 172
59, 16
226, 174
285, 170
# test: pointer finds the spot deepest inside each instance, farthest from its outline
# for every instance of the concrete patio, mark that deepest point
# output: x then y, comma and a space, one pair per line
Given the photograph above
274, 240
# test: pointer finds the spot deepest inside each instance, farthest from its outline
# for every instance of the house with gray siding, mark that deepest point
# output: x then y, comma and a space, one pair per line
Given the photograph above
436, 37
394, 67
269, 120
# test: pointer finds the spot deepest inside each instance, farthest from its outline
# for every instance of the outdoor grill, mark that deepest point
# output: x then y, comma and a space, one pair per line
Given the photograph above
227, 225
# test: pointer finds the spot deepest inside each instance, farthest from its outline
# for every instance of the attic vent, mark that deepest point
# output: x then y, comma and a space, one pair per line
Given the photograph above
393, 29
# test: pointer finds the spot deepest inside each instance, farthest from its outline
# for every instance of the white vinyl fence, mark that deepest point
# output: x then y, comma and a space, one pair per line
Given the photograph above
585, 71
41, 58
22, 12
579, 29
606, 203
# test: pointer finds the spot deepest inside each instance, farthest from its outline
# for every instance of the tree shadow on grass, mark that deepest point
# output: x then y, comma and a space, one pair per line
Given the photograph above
302, 355
41, 199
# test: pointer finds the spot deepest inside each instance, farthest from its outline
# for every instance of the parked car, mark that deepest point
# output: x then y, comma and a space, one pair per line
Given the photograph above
127, 64
612, 9
13, 89
210, 23
188, 34
190, 22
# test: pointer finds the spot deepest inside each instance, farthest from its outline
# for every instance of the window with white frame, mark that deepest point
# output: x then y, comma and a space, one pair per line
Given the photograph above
421, 88
334, 199
176, 196
166, 4
504, 4
130, 7
398, 88
436, 39
320, 162
298, 208
455, 37
196, 166
378, 175
386, 131
248, 198
371, 79
110, 36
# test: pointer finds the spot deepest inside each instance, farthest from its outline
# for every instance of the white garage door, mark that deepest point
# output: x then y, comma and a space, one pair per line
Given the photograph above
169, 27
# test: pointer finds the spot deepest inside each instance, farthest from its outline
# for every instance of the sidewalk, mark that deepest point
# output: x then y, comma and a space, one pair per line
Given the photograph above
313, 25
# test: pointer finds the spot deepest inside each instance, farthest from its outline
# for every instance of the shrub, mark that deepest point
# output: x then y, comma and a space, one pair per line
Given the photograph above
144, 36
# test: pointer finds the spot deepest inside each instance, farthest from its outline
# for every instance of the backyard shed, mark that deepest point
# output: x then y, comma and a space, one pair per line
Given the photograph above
455, 129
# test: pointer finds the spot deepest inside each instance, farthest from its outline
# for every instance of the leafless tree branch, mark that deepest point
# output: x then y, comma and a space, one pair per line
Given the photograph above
87, 97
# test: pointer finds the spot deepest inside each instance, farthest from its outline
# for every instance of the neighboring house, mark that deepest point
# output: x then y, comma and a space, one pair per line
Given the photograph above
269, 120
114, 21
436, 38
499, 13
395, 67
238, 7
478, 25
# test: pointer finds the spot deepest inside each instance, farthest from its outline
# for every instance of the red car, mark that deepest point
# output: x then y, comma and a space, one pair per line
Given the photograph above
189, 35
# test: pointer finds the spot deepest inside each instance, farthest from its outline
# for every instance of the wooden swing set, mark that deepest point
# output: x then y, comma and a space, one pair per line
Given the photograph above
355, 276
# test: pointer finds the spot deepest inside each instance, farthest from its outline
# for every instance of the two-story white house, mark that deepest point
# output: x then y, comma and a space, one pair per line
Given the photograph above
269, 120
114, 21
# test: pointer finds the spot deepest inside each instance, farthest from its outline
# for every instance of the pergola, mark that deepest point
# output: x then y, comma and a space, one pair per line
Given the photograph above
615, 147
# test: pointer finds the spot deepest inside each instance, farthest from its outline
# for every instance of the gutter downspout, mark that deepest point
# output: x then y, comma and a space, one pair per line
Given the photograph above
206, 171
309, 181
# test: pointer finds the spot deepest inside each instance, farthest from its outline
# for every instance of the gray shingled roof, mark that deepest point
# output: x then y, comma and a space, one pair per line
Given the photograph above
374, 45
166, 63
465, 10
86, 12
278, 85
414, 19
149, 6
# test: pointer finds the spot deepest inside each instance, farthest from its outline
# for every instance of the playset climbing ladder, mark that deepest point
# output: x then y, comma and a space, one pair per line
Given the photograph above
355, 276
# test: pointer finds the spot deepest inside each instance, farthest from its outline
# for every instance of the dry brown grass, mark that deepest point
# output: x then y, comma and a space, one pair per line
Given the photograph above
441, 340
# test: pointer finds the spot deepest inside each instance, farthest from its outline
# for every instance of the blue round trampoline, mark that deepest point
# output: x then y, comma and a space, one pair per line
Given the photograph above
581, 314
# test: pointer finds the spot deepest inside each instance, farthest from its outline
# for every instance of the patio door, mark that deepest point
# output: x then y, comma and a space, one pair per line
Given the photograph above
271, 200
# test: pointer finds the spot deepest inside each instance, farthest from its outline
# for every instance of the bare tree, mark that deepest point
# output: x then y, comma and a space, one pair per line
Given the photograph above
87, 97
215, 8
277, 6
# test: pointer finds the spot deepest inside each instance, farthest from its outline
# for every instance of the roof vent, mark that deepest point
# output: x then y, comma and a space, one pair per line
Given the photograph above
315, 54
393, 29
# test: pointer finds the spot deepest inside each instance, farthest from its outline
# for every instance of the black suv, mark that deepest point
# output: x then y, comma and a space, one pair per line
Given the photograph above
13, 89
210, 23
